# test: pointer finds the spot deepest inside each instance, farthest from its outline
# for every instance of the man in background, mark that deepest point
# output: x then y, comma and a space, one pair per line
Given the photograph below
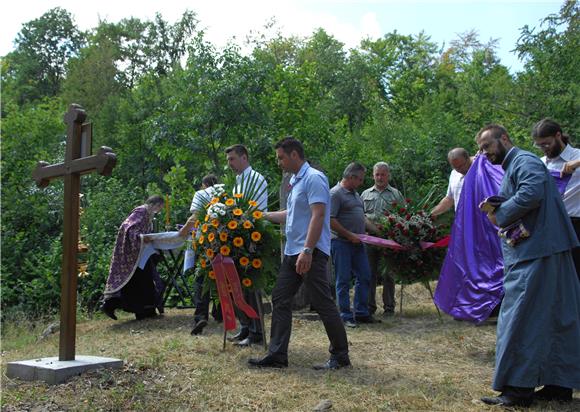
377, 200
460, 161
561, 157
200, 199
248, 180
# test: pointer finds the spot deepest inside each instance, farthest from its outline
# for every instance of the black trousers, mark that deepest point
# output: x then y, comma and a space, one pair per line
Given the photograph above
253, 326
202, 301
316, 283
576, 251
140, 295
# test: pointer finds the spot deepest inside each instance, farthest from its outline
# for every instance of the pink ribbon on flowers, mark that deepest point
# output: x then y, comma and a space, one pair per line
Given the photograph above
377, 241
391, 244
443, 242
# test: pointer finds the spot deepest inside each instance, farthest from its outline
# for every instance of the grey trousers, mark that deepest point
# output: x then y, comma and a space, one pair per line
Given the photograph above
375, 255
317, 286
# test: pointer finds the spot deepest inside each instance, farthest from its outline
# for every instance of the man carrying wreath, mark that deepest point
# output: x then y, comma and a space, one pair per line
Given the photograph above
248, 180
307, 219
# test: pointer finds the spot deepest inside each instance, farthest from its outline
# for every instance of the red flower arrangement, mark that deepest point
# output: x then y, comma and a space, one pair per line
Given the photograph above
409, 225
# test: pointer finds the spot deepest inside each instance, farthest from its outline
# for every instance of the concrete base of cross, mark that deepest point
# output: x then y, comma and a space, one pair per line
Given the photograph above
53, 371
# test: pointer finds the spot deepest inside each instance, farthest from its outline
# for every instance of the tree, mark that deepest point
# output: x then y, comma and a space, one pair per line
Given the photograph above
37, 67
550, 83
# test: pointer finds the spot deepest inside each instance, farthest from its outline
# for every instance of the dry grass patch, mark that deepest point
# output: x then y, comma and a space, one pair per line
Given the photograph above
413, 362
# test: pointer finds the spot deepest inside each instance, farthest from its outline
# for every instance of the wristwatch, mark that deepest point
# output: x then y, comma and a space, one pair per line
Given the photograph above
307, 250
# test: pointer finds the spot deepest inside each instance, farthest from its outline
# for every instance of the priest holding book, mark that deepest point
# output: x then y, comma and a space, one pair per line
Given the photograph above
538, 330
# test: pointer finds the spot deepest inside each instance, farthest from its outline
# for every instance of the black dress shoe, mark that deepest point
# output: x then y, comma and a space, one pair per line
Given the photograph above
146, 315
332, 364
554, 393
268, 362
198, 328
507, 400
241, 335
248, 342
108, 310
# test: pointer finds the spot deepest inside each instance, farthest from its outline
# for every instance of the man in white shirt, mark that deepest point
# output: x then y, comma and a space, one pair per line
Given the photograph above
460, 162
200, 199
560, 156
251, 184
247, 179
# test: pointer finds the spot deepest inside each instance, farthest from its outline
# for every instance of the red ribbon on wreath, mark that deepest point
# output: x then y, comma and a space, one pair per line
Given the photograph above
228, 286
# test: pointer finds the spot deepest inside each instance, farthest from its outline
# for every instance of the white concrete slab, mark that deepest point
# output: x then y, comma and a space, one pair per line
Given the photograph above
53, 371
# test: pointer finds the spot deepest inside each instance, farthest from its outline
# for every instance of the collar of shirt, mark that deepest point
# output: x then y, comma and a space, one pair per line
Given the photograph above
566, 155
344, 189
296, 177
246, 172
389, 188
506, 159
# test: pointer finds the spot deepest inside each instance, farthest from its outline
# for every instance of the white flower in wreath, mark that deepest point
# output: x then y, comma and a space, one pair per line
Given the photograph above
217, 190
217, 209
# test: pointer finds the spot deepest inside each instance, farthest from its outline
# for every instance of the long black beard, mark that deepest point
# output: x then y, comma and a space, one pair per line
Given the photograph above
556, 151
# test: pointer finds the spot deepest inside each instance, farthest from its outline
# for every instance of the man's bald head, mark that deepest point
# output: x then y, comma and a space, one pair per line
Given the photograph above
459, 160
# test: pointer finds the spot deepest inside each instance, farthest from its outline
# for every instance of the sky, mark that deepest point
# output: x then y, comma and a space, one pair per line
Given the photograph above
349, 21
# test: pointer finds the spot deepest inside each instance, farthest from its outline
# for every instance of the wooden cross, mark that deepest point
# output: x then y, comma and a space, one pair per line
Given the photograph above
77, 161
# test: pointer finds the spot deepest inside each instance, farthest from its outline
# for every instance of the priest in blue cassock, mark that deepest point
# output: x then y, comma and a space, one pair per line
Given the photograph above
538, 330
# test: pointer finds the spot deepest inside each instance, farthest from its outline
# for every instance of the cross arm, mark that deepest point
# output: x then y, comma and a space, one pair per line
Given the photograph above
44, 173
103, 162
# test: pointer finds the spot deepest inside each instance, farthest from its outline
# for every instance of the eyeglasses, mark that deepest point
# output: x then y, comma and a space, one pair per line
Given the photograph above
544, 145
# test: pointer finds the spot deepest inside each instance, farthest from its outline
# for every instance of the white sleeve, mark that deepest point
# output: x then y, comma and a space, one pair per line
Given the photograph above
263, 200
450, 186
197, 202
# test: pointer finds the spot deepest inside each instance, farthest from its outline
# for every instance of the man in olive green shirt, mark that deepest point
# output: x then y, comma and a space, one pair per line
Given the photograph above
377, 200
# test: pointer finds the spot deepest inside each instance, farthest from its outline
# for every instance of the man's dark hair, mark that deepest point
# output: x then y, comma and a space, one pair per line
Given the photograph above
209, 180
155, 200
548, 128
289, 144
353, 169
239, 149
496, 131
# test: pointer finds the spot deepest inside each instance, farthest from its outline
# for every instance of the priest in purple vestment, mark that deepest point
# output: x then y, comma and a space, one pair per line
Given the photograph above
470, 285
129, 287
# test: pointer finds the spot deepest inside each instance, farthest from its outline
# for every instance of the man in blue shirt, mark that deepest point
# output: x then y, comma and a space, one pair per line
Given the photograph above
307, 220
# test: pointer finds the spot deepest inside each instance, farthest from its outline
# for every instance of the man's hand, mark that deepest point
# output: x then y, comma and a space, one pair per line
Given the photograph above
353, 238
570, 167
492, 219
147, 239
303, 263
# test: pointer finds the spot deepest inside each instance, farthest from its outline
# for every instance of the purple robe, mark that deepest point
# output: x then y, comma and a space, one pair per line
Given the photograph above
471, 281
124, 261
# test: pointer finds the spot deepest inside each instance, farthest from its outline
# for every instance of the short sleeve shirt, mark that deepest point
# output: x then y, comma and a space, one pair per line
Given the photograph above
455, 186
377, 202
307, 187
249, 178
200, 199
346, 206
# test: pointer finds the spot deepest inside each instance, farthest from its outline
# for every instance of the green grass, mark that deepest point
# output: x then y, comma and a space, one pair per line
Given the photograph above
413, 362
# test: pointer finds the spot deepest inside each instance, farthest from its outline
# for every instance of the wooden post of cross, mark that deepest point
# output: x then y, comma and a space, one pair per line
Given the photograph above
77, 161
